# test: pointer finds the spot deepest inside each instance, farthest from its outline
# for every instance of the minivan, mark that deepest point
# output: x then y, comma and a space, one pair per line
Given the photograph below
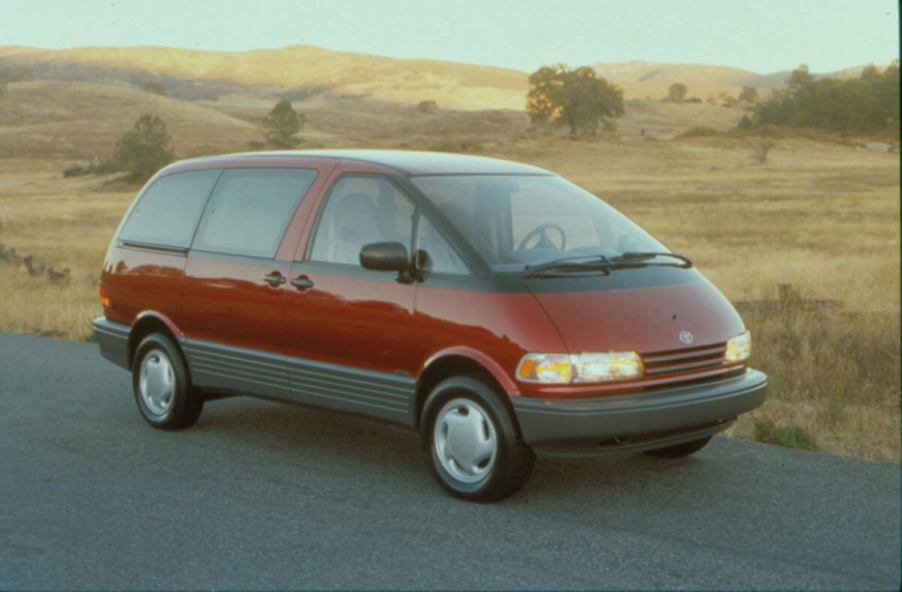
495, 307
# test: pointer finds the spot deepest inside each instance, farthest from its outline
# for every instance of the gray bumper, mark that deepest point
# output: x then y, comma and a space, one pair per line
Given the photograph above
637, 421
113, 341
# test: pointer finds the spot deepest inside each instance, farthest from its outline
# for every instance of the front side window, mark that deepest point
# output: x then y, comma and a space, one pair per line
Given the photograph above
518, 220
361, 210
250, 210
167, 213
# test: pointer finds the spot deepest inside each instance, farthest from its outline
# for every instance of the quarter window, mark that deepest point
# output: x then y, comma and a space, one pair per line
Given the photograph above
442, 257
360, 211
250, 209
167, 213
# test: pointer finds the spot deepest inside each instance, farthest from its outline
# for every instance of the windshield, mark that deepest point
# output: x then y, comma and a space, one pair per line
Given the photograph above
519, 220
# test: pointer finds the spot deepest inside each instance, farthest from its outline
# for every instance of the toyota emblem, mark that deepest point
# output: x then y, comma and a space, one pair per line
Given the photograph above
687, 337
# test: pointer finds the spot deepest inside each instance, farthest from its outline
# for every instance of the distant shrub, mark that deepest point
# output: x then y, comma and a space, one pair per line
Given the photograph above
791, 436
677, 92
749, 94
282, 124
155, 87
427, 106
75, 170
145, 148
256, 145
694, 100
699, 131
745, 123
2, 88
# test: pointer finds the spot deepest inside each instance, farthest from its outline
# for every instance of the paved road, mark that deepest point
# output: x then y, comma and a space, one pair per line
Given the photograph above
261, 495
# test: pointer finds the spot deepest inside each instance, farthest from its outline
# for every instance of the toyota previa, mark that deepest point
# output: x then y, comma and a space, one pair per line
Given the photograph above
495, 307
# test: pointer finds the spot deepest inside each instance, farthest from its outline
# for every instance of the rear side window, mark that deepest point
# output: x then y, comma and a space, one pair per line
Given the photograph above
250, 210
167, 213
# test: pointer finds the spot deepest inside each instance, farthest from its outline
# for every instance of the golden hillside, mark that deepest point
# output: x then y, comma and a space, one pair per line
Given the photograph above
454, 85
75, 119
643, 79
339, 73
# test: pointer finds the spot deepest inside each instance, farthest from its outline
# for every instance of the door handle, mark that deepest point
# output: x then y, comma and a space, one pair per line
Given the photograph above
274, 279
302, 282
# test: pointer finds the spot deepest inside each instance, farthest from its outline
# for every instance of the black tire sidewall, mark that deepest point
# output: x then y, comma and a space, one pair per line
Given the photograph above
180, 403
507, 460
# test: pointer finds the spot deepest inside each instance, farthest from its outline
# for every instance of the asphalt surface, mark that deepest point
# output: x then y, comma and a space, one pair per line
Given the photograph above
261, 495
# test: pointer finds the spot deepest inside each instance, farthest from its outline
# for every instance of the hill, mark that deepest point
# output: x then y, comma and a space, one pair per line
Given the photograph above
302, 71
79, 120
309, 68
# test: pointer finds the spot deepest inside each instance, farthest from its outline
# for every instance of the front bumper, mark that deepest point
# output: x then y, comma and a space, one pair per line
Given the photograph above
645, 420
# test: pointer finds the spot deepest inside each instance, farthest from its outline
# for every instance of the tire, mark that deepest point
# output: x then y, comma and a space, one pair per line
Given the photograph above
680, 450
162, 389
471, 442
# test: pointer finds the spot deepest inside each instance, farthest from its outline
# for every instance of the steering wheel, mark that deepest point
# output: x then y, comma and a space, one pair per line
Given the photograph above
544, 240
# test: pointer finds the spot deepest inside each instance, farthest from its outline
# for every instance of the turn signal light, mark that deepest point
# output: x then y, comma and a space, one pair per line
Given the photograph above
105, 301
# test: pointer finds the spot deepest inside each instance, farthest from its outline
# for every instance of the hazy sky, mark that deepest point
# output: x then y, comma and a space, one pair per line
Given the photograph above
758, 35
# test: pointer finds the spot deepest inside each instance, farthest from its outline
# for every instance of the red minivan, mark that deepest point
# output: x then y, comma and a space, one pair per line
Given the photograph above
493, 306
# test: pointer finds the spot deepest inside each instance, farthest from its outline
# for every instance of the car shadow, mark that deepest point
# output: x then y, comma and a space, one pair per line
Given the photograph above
316, 438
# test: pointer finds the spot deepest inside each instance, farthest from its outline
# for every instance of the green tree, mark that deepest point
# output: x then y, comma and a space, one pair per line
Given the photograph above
577, 98
866, 104
155, 87
749, 94
800, 78
282, 123
677, 92
145, 148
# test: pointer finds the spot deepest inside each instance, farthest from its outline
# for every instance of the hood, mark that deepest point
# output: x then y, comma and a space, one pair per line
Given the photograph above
644, 310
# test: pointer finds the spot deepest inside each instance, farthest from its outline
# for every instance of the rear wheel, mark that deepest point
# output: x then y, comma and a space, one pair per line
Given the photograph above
471, 441
160, 382
680, 450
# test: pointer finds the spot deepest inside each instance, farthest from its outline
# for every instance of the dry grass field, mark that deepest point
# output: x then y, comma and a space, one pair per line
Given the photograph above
822, 216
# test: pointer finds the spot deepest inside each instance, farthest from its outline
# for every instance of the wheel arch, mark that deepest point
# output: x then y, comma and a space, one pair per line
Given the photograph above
456, 362
151, 322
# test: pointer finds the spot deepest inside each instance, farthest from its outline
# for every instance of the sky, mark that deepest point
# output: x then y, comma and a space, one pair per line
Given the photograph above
758, 35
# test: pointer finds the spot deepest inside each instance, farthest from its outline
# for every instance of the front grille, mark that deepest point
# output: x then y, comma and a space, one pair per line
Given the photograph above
684, 360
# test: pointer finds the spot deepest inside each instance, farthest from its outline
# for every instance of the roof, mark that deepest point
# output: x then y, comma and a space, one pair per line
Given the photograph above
406, 161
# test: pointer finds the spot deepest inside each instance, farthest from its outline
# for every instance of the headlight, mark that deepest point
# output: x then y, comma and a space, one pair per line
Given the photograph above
579, 368
739, 348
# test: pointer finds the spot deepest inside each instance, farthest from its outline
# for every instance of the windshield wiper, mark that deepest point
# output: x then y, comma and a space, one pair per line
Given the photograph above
580, 263
602, 263
631, 256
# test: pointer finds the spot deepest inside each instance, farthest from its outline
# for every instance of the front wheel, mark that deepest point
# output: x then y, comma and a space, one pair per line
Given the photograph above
163, 392
471, 442
680, 450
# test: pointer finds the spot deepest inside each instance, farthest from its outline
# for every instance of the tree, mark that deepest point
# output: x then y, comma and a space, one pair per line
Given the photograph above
677, 92
749, 94
145, 148
577, 98
282, 123
800, 78
155, 87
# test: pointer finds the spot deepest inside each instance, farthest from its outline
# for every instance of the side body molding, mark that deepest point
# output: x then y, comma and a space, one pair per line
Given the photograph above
234, 370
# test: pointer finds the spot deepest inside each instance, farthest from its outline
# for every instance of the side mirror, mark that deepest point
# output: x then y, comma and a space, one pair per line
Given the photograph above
388, 256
